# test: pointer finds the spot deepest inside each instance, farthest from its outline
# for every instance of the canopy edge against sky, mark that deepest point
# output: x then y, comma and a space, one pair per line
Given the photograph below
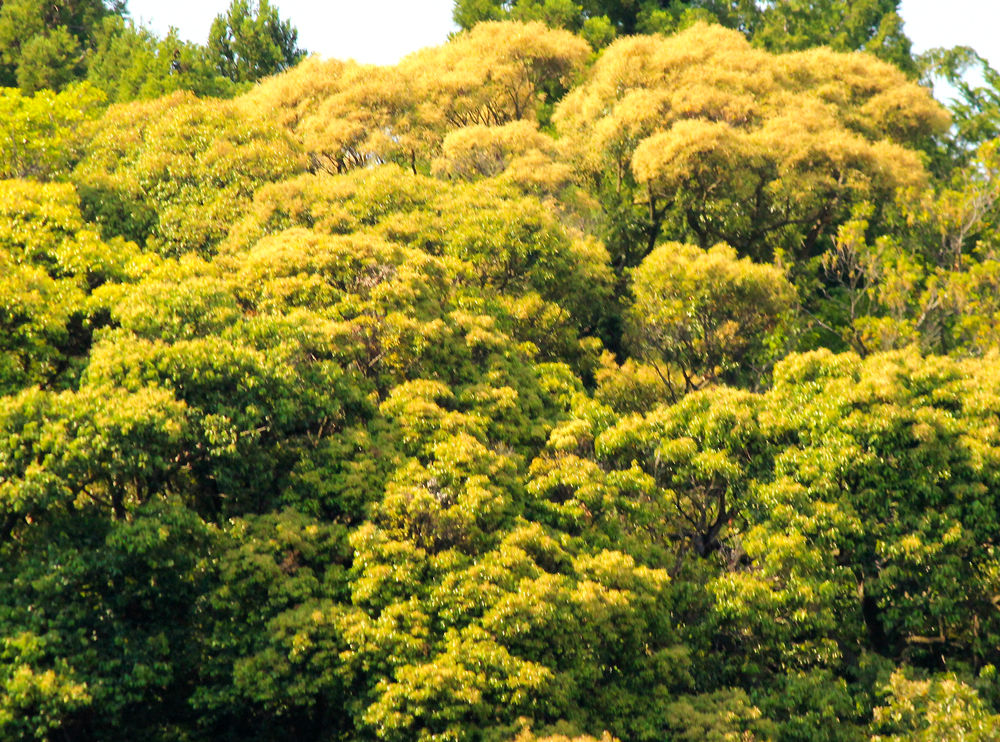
384, 31
375, 31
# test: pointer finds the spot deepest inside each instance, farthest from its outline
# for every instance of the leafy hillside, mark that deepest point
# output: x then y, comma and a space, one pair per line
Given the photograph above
518, 391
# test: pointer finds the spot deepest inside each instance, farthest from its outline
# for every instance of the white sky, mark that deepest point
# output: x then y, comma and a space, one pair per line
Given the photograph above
931, 23
372, 31
383, 31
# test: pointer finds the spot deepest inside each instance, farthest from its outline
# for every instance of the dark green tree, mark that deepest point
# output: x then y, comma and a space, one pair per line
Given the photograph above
599, 21
130, 63
250, 41
844, 25
45, 44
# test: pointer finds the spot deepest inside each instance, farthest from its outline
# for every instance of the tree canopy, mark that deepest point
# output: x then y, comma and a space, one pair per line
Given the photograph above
250, 41
556, 384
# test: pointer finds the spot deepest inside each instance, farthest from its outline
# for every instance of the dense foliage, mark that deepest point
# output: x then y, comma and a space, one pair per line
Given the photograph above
511, 393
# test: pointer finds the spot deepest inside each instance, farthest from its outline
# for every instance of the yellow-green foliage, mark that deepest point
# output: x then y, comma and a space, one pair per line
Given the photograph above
34, 701
511, 243
454, 400
50, 260
40, 134
492, 75
939, 707
345, 115
178, 171
518, 151
348, 115
731, 143
704, 315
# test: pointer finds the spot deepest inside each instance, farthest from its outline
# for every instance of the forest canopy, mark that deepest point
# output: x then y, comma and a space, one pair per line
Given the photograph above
611, 371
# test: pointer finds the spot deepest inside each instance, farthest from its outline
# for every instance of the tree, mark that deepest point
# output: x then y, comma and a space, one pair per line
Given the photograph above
178, 170
704, 316
976, 111
809, 516
702, 138
45, 45
304, 430
51, 262
933, 283
858, 511
549, 288
873, 26
938, 707
597, 21
517, 151
349, 116
131, 63
250, 41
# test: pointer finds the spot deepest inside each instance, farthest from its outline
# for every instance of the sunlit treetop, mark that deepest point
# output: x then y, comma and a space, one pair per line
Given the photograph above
177, 171
349, 115
733, 143
495, 73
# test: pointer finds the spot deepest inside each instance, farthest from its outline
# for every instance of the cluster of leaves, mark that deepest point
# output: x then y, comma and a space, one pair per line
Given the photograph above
506, 394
